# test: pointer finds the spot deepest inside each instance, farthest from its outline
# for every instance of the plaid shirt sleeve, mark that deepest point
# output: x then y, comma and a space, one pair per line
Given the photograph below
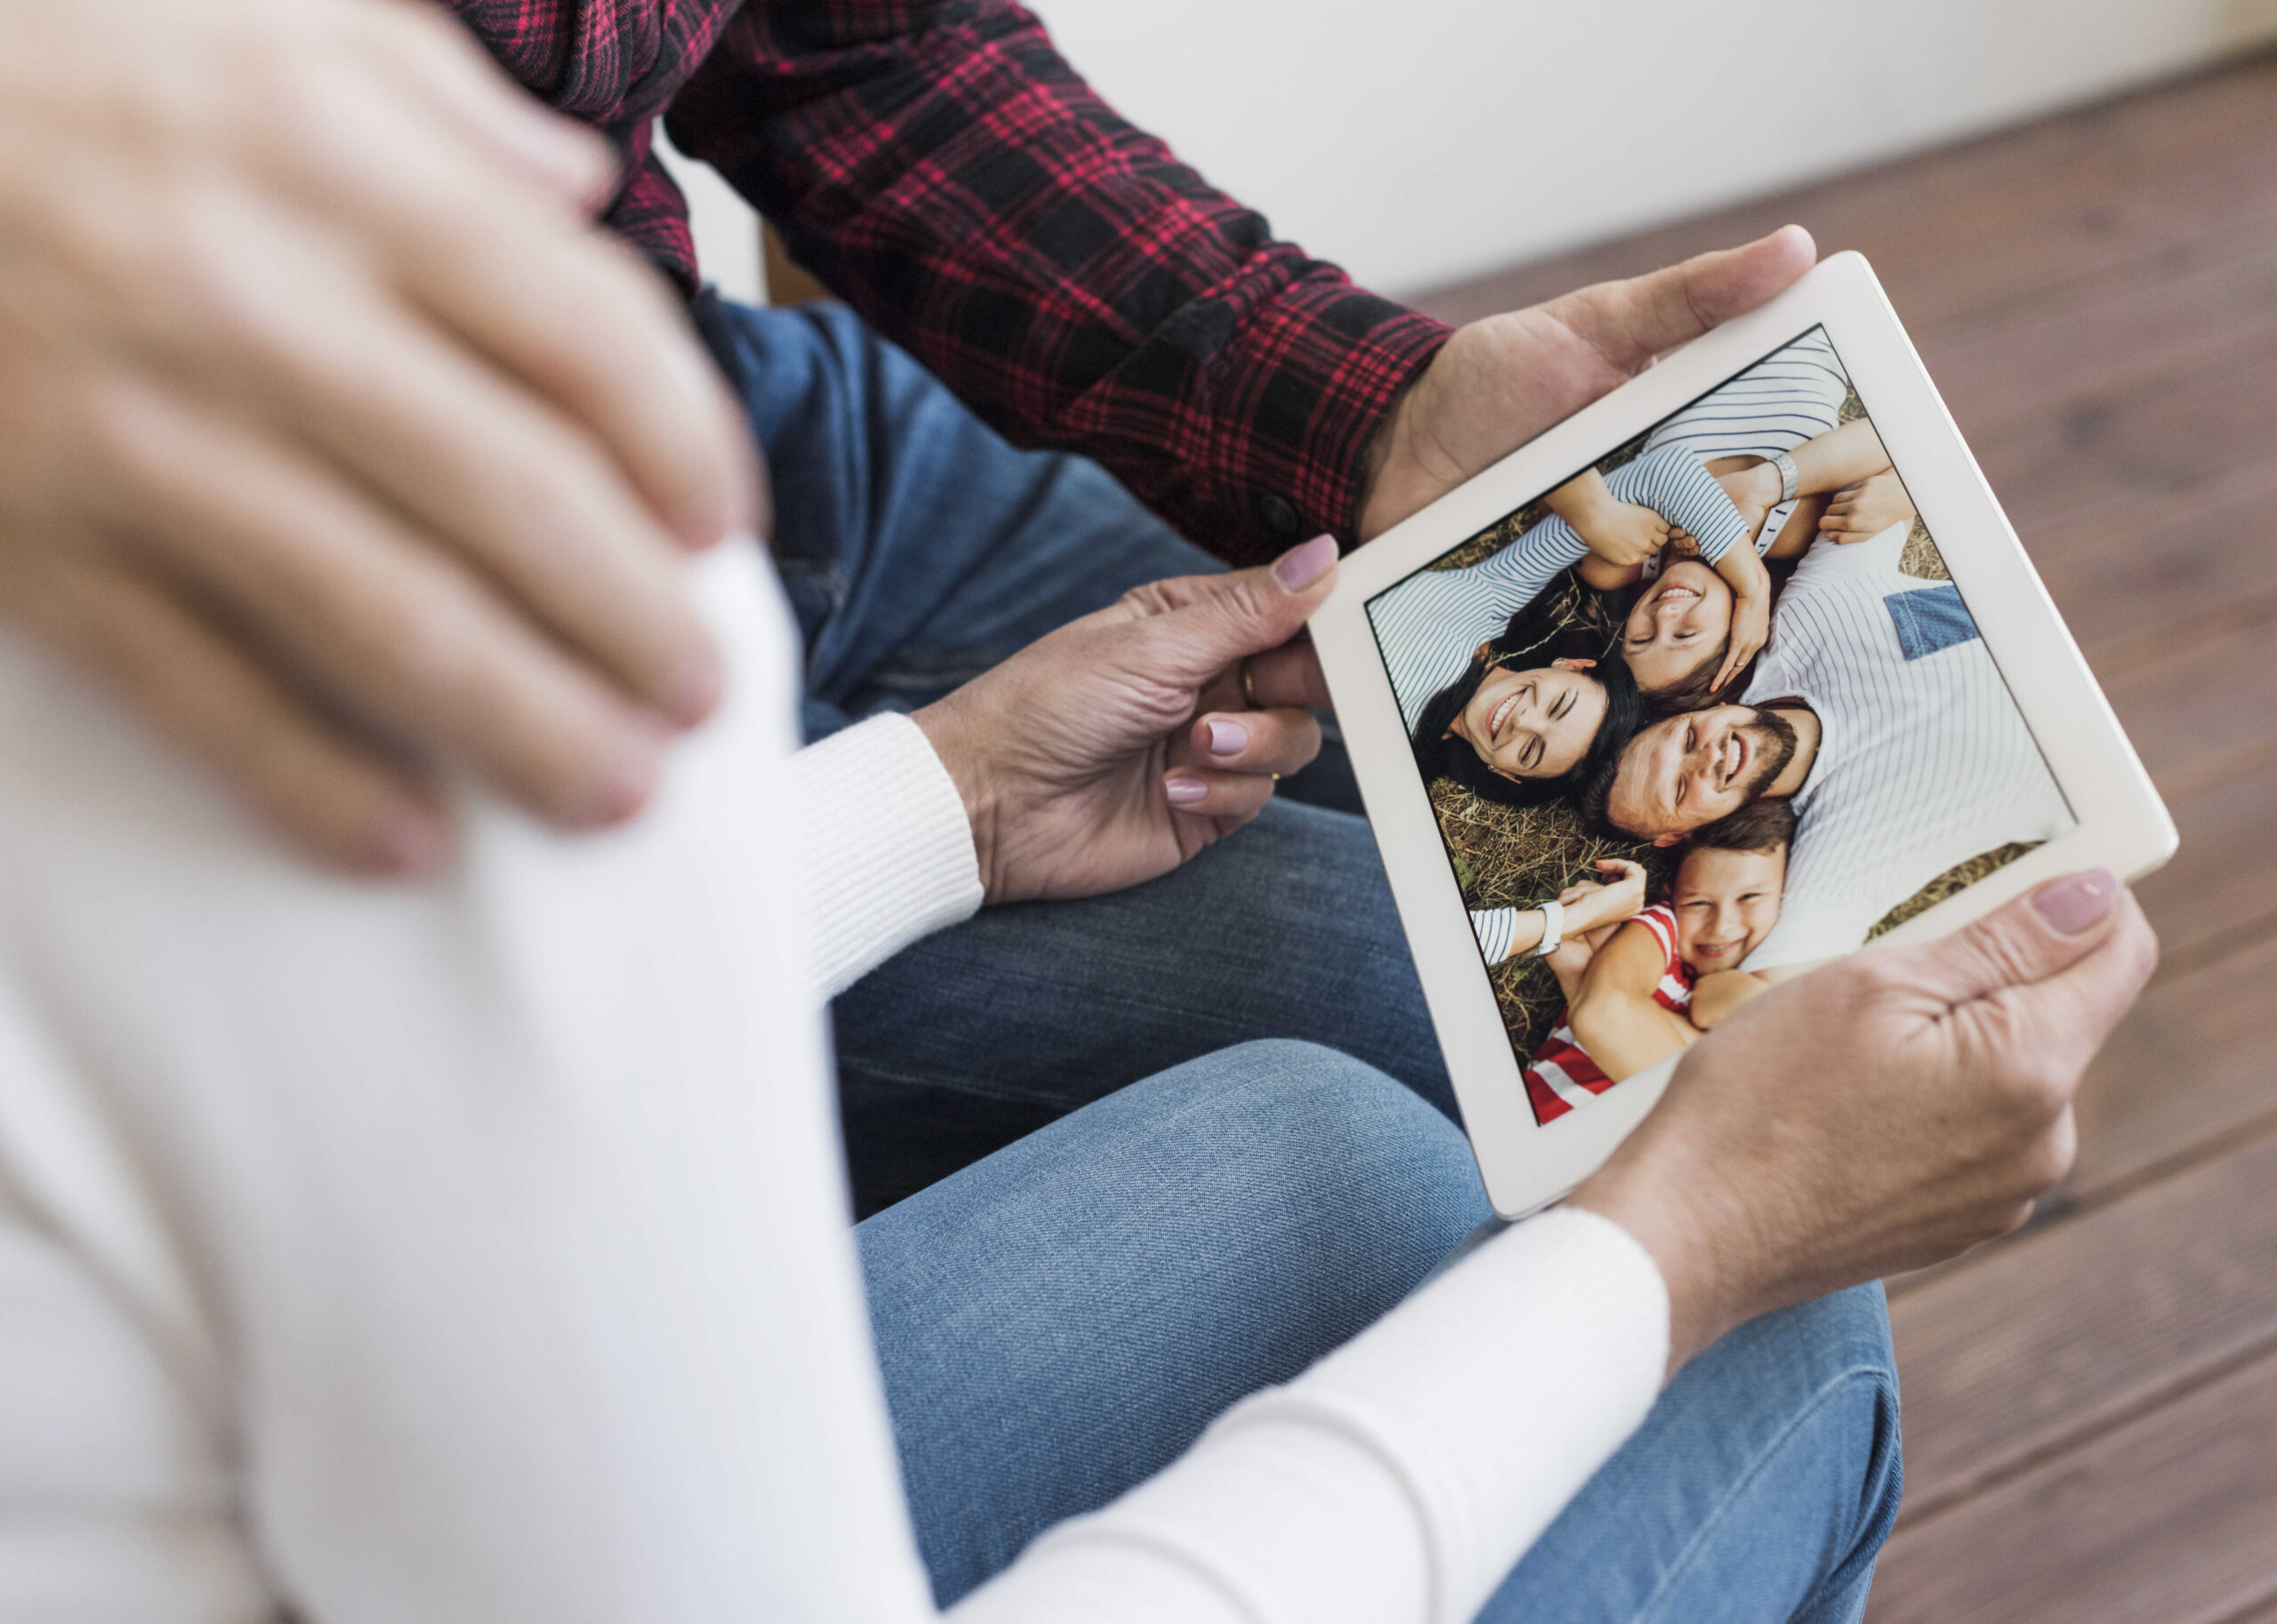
939, 165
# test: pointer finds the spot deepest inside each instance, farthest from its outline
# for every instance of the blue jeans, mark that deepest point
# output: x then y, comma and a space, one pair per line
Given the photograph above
1174, 1213
919, 549
1059, 1321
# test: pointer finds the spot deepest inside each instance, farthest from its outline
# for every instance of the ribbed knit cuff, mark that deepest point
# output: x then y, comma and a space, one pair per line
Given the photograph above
888, 848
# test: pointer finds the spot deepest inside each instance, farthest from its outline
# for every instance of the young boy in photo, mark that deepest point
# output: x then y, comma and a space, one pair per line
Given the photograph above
1641, 991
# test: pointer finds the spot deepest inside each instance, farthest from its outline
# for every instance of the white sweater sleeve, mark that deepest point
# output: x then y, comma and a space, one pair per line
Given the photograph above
1401, 1477
889, 855
477, 1252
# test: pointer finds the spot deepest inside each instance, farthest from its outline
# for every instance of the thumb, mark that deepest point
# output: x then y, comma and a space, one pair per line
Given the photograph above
2036, 936
1630, 322
1251, 610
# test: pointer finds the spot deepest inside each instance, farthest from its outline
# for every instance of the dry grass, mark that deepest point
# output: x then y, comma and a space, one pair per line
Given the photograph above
1951, 883
1520, 857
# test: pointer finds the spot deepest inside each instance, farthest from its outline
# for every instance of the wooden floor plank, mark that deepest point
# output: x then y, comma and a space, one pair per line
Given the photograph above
2091, 1407
2188, 1068
2167, 315
2070, 1331
2163, 1520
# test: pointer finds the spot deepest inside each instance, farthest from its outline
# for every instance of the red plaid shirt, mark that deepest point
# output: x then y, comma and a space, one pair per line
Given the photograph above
940, 166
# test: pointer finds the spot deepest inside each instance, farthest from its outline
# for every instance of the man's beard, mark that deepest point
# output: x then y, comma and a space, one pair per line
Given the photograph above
1778, 749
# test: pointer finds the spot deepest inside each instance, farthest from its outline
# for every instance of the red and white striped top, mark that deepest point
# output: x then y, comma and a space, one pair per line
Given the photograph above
1562, 1076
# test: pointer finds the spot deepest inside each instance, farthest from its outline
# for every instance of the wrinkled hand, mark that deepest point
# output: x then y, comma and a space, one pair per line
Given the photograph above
1117, 747
1500, 382
1880, 1114
331, 435
1863, 510
1590, 906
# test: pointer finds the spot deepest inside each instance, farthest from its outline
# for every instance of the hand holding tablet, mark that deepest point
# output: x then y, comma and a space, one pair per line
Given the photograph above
1836, 707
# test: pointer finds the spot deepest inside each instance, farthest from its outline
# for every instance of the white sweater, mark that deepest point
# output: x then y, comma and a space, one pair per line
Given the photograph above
476, 1252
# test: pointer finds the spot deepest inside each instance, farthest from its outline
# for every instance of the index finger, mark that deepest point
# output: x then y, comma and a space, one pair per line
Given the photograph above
1289, 676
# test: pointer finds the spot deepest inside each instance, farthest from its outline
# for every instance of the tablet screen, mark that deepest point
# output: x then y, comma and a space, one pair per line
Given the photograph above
1718, 698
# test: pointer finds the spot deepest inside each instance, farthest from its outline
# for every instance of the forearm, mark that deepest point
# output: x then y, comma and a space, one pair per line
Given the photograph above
1421, 1460
1742, 570
1839, 457
1579, 499
1059, 269
1716, 995
1503, 933
1624, 1035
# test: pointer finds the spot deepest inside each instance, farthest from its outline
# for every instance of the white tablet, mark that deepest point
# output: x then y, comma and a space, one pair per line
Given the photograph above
1737, 670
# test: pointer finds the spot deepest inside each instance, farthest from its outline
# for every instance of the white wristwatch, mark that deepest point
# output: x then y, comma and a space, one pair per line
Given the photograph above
1790, 478
1553, 929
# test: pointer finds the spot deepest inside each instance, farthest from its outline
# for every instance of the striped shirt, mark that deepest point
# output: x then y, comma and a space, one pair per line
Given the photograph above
1924, 760
1428, 626
1562, 1075
1792, 395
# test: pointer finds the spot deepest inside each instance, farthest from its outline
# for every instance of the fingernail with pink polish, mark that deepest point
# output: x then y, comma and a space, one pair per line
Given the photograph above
411, 842
1227, 738
628, 782
698, 689
1299, 567
2072, 903
1183, 791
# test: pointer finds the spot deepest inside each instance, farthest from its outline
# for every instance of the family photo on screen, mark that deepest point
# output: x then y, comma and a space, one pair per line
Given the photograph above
1708, 713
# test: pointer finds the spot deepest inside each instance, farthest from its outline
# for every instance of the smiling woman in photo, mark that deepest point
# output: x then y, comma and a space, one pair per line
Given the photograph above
1535, 714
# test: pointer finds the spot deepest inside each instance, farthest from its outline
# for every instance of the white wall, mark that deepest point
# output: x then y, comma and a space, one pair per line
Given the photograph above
1424, 141
726, 231
1427, 140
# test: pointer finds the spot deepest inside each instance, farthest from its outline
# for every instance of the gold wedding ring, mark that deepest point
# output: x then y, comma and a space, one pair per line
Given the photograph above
1248, 689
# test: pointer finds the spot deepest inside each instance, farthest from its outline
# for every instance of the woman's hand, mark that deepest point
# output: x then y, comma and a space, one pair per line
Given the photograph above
1750, 585
1880, 1114
331, 435
1117, 747
1590, 906
1499, 383
1863, 510
1755, 490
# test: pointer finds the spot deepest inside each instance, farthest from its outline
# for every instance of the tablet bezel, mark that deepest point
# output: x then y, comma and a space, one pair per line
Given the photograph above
2122, 823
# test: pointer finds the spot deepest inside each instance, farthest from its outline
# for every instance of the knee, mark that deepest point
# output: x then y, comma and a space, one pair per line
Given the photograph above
1332, 1142
1832, 1360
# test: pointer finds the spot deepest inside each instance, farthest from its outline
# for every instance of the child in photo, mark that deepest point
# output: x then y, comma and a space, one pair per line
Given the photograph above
1643, 989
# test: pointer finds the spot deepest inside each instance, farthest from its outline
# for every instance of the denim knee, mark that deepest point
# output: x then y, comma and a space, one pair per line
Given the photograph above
1347, 1140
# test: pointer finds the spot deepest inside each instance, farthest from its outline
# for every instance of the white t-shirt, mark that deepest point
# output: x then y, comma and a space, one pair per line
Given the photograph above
1924, 760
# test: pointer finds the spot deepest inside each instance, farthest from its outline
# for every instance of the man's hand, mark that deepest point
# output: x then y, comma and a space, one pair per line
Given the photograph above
1499, 383
1117, 747
1880, 1114
332, 436
1862, 511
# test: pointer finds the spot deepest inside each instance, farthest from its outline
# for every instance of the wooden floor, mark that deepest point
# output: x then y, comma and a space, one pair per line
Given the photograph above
2091, 1406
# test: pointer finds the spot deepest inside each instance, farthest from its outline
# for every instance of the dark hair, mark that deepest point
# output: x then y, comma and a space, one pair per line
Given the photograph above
1561, 623
1764, 826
